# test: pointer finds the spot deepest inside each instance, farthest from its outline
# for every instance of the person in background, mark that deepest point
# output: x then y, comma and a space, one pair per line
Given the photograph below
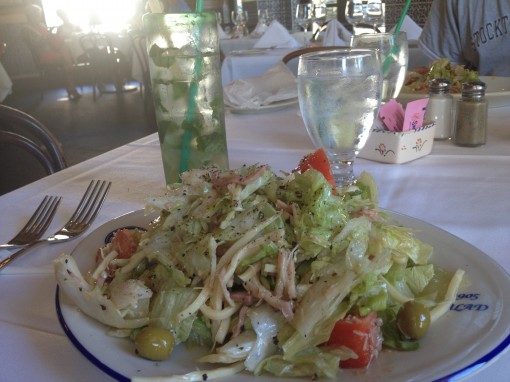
67, 28
49, 48
471, 33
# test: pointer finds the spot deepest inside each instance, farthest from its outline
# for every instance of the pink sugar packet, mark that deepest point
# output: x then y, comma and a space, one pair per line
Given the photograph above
415, 112
392, 115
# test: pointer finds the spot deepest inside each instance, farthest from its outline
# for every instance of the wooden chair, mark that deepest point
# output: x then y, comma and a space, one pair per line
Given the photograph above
28, 150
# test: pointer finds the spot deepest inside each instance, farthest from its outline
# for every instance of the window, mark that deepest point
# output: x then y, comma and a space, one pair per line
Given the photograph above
101, 15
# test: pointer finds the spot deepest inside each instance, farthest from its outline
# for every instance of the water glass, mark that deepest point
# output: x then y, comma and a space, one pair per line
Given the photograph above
184, 65
339, 97
240, 20
305, 16
395, 54
354, 12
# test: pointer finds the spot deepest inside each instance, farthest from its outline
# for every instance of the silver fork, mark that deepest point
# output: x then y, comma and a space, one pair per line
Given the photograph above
85, 213
37, 224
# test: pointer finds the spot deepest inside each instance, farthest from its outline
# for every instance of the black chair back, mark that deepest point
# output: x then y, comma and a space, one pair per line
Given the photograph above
28, 150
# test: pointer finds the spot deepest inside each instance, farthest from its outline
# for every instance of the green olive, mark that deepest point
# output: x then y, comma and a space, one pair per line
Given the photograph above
413, 320
154, 343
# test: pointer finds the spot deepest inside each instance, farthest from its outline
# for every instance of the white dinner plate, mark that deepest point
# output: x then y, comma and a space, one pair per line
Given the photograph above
475, 332
497, 92
278, 105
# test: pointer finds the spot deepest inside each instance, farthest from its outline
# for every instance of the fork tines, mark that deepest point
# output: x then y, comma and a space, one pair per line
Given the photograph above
39, 221
91, 202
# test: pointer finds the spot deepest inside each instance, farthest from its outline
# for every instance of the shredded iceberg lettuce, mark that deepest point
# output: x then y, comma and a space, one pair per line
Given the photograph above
262, 267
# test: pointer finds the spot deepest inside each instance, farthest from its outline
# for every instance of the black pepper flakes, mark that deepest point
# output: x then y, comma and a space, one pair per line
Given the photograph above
204, 377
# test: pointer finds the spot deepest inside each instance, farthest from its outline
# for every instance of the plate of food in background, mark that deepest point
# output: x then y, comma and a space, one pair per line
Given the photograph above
416, 83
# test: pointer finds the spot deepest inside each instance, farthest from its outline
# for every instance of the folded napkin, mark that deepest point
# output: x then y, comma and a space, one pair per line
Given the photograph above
336, 34
278, 83
259, 30
221, 33
276, 36
412, 29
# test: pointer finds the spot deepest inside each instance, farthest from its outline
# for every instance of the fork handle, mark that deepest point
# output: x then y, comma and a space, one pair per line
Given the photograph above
9, 246
6, 261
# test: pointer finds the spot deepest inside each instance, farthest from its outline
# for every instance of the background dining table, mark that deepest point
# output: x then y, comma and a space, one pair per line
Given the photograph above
248, 62
461, 190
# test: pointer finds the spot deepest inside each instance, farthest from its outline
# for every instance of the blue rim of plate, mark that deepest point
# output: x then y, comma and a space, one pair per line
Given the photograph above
465, 371
96, 362
457, 375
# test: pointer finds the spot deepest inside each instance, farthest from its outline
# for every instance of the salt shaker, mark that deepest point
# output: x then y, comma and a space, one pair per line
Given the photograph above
472, 110
439, 107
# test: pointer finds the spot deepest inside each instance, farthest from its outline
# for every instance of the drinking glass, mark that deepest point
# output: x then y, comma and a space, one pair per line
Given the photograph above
339, 97
394, 52
374, 14
185, 67
239, 19
263, 16
354, 12
305, 16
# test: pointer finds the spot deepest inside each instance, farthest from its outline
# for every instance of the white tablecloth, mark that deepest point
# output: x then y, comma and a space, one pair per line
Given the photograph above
462, 190
236, 67
231, 44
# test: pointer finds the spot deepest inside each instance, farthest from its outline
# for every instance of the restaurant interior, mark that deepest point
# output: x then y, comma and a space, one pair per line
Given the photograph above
89, 127
417, 204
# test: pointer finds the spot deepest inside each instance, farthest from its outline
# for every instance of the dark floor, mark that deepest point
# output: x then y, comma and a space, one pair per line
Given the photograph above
85, 128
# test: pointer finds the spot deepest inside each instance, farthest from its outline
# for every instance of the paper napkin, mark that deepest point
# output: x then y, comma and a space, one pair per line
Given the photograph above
277, 84
412, 29
336, 34
276, 36
221, 33
259, 30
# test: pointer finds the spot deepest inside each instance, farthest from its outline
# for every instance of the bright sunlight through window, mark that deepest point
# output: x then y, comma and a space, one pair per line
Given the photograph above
91, 15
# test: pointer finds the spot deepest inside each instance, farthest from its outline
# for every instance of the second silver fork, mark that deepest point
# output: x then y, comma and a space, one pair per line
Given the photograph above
85, 213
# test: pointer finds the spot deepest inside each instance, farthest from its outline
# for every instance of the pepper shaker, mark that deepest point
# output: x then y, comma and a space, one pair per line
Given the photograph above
472, 110
439, 107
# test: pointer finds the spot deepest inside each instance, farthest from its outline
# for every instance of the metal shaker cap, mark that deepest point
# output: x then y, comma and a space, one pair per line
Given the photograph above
439, 86
473, 89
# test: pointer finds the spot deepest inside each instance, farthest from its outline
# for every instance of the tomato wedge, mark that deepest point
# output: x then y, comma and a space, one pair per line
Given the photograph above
318, 161
360, 334
125, 242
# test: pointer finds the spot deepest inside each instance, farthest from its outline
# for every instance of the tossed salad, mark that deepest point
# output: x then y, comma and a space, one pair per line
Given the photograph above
417, 80
274, 274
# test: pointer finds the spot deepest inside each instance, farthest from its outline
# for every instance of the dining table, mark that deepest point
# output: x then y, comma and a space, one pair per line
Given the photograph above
248, 62
461, 190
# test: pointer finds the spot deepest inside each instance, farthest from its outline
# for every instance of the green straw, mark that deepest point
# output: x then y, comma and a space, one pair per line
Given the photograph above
402, 16
389, 59
190, 112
